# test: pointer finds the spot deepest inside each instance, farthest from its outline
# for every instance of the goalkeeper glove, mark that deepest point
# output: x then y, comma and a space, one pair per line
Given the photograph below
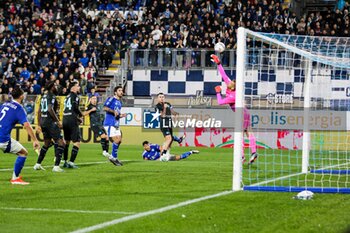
215, 59
218, 89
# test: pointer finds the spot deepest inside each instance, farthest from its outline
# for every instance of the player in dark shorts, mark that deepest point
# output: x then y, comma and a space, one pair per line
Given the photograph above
71, 121
50, 126
96, 124
166, 110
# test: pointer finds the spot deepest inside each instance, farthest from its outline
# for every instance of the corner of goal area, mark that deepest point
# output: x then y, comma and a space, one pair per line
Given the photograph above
296, 189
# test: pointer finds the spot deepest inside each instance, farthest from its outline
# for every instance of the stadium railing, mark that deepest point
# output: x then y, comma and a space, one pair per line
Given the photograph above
198, 59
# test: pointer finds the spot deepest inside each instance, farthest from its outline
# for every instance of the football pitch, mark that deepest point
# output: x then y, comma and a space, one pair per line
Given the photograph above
191, 195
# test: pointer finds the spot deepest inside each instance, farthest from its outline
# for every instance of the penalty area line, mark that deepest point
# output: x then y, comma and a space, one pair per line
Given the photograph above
150, 212
68, 211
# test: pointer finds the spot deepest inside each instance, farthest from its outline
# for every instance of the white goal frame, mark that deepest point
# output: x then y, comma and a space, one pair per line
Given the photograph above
310, 57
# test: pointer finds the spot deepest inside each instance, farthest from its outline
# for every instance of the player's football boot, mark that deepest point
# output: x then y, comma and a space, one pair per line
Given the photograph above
57, 169
253, 158
118, 162
115, 161
71, 165
181, 138
106, 154
195, 151
19, 181
38, 167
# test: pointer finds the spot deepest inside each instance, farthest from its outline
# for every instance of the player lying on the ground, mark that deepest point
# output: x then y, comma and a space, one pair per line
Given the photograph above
152, 152
230, 99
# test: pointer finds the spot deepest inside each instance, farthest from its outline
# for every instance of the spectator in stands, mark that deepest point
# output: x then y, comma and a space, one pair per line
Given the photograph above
25, 73
93, 93
83, 84
5, 87
52, 39
156, 34
84, 60
36, 88
106, 58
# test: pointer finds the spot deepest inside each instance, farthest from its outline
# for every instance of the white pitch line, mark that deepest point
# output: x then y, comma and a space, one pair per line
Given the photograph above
295, 174
276, 179
147, 213
166, 208
68, 211
49, 166
333, 166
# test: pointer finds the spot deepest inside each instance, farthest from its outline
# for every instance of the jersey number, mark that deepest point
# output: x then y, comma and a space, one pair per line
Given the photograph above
43, 105
3, 112
67, 104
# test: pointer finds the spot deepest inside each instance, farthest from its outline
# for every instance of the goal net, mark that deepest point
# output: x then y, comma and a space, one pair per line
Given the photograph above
297, 90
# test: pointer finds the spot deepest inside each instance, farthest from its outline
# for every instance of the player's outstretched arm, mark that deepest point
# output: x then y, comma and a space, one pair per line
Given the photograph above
87, 112
107, 109
167, 105
224, 76
173, 112
231, 99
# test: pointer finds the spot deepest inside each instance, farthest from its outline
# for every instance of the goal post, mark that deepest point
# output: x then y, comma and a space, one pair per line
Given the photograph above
296, 89
238, 134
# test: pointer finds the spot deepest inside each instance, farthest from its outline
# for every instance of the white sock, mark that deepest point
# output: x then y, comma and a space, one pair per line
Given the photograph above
14, 176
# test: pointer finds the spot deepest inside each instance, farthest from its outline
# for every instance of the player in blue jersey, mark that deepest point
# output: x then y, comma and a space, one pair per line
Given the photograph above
112, 107
153, 152
11, 113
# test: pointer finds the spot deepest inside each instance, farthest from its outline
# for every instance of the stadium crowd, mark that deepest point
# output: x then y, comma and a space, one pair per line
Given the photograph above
68, 40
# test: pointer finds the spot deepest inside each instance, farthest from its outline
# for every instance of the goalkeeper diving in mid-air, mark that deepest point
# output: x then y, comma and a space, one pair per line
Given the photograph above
230, 99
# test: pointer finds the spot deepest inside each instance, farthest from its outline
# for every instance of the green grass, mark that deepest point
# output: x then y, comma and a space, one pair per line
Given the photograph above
141, 186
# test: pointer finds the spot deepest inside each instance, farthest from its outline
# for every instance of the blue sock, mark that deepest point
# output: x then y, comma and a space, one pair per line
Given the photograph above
185, 155
19, 165
115, 147
176, 139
